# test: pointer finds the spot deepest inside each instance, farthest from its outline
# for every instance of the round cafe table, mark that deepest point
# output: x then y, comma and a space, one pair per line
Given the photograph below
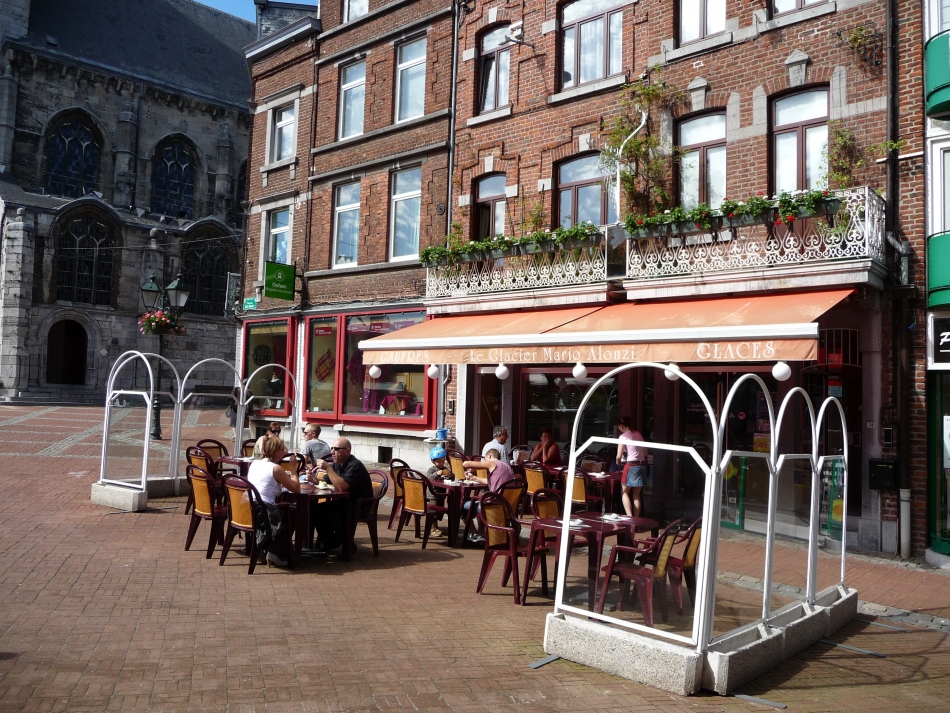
455, 495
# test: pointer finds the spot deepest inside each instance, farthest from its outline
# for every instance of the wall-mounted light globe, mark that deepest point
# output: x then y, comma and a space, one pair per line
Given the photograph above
580, 371
501, 371
781, 371
433, 371
673, 373
375, 372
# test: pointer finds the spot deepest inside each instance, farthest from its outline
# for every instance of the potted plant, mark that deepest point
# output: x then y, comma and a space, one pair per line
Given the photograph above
581, 235
499, 248
434, 255
161, 322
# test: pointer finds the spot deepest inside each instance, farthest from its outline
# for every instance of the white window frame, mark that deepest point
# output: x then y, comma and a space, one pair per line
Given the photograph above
400, 68
276, 126
347, 15
398, 197
938, 187
344, 88
270, 244
337, 210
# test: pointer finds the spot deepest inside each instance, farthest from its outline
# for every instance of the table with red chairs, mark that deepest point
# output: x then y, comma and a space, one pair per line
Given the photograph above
595, 528
456, 495
610, 485
242, 462
302, 529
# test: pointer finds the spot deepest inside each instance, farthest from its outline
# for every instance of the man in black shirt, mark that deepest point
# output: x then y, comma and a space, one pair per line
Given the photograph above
346, 473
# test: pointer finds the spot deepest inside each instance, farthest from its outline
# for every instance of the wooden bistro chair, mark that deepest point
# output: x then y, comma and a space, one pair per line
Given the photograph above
380, 486
241, 495
396, 469
647, 572
546, 503
455, 465
207, 506
502, 538
513, 491
526, 450
247, 447
583, 497
535, 479
685, 566
215, 449
415, 504
202, 459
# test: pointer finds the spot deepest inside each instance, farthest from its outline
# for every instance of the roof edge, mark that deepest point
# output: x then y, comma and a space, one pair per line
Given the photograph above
283, 37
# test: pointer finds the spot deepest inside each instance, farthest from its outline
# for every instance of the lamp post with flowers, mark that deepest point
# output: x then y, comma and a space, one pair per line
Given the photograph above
163, 307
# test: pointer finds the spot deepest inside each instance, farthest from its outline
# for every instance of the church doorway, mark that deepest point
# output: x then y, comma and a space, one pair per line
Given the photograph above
66, 353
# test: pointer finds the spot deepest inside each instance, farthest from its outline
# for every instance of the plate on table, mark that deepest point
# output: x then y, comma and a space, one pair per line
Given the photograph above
575, 522
611, 516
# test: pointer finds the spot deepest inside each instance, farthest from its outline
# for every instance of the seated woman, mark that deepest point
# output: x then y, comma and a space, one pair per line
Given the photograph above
547, 451
273, 431
269, 478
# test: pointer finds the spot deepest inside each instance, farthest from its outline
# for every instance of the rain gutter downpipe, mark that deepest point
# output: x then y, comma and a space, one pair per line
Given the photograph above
643, 122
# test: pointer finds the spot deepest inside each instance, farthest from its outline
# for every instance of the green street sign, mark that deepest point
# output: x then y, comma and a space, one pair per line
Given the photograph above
250, 303
279, 281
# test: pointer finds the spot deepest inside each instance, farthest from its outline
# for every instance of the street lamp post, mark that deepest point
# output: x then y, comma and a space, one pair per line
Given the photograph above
170, 299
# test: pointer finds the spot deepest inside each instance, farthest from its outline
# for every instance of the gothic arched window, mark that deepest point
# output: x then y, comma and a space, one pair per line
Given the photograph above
205, 263
72, 151
173, 180
86, 261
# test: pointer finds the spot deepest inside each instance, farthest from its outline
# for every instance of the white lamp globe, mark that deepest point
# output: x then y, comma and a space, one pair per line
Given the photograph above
433, 371
580, 371
781, 371
375, 372
672, 373
502, 372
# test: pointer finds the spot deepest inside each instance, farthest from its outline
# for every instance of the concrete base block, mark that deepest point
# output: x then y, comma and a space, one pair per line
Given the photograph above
740, 657
803, 625
639, 658
118, 497
936, 559
842, 604
165, 487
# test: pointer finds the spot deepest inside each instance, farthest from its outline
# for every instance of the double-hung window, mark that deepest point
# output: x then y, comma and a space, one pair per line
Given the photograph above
590, 41
352, 99
278, 239
800, 135
582, 193
346, 223
411, 80
490, 207
780, 7
353, 9
493, 82
943, 17
701, 18
282, 146
703, 163
405, 205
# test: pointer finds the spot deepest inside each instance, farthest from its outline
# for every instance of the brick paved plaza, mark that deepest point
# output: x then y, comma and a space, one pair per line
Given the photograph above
105, 611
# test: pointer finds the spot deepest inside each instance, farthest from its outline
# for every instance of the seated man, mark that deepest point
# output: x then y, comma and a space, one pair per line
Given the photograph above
313, 448
349, 474
498, 443
493, 472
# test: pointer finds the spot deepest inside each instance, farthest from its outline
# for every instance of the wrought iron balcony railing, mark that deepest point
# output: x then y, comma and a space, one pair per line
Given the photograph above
856, 232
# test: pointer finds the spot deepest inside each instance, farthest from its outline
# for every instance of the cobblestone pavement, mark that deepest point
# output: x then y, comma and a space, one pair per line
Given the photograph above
105, 611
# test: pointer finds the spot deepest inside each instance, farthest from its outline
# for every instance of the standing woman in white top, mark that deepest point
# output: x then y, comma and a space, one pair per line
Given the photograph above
270, 479
635, 469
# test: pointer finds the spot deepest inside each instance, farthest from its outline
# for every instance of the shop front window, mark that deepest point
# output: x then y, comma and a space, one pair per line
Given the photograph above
939, 490
265, 344
552, 397
400, 390
322, 371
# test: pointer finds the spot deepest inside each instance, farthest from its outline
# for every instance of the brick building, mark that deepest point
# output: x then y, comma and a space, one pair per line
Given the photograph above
743, 101
121, 156
349, 159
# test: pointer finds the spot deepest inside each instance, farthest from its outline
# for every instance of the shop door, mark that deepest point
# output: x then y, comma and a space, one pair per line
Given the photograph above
488, 409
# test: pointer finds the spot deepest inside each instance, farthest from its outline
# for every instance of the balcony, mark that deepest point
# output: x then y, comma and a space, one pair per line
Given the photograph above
938, 270
937, 76
858, 233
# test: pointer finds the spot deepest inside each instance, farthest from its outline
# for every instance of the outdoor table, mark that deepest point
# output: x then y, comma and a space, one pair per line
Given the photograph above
610, 482
595, 529
242, 462
302, 526
456, 495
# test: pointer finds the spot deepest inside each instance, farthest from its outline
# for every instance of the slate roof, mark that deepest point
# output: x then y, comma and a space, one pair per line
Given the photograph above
180, 43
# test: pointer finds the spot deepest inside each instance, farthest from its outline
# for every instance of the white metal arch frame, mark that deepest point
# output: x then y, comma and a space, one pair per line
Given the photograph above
183, 399
111, 393
245, 401
708, 555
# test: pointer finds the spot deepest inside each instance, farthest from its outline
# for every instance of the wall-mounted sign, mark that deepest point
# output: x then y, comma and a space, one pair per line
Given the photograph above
279, 281
938, 341
249, 303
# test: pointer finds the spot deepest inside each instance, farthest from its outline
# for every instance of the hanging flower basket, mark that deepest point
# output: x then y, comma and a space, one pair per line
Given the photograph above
159, 323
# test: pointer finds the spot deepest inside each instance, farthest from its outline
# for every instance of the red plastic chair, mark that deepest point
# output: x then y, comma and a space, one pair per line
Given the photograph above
415, 504
679, 568
396, 469
647, 572
207, 506
215, 449
202, 459
247, 447
583, 497
502, 533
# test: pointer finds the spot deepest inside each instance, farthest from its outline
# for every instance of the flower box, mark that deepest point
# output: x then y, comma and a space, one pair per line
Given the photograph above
497, 253
590, 241
832, 205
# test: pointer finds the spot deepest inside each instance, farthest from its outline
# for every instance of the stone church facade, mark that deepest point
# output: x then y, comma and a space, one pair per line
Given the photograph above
122, 155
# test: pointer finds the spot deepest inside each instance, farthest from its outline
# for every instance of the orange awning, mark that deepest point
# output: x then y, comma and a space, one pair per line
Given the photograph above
726, 329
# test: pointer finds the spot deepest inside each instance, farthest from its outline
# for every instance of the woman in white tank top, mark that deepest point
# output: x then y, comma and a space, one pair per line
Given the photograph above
270, 479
